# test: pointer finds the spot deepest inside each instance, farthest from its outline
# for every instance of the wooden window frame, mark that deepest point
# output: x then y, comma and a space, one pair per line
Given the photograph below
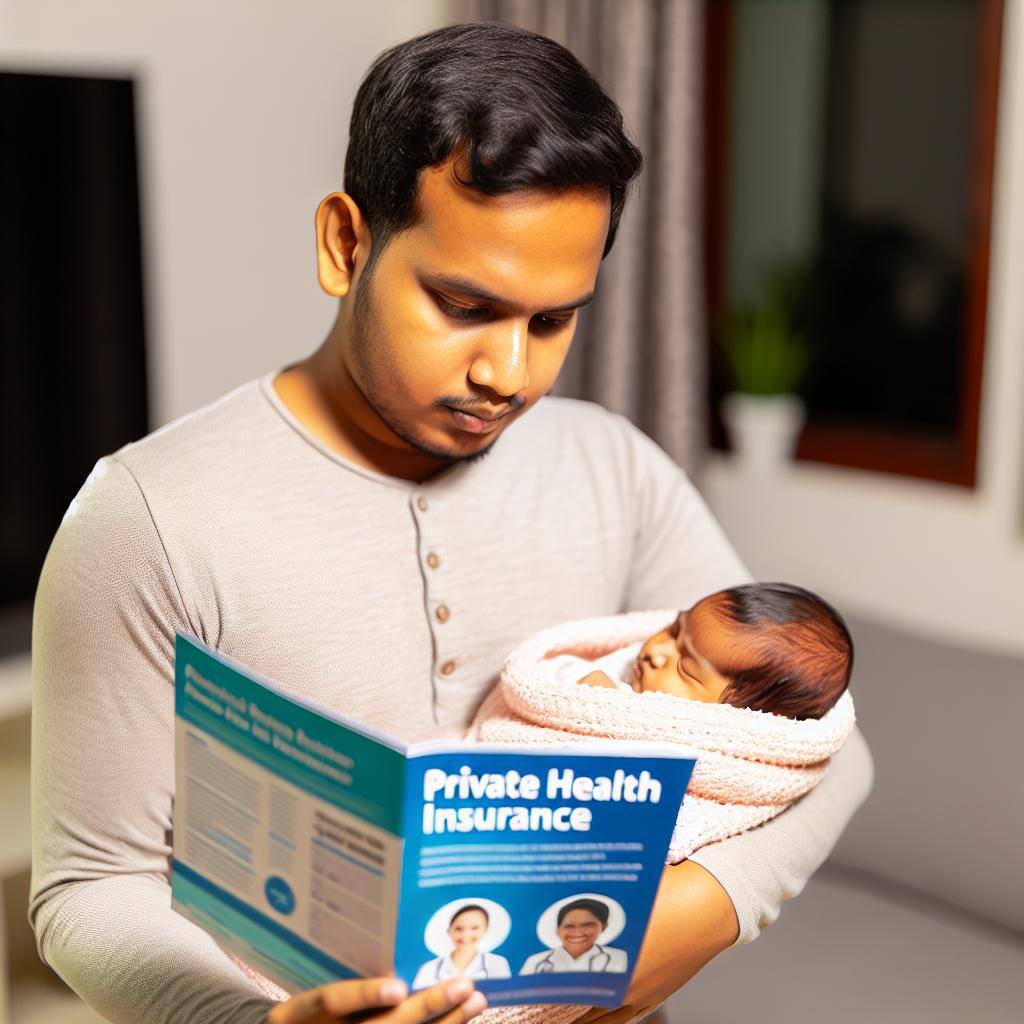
949, 460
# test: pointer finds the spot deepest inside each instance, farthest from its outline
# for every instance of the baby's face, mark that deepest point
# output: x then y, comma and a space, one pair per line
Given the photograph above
678, 659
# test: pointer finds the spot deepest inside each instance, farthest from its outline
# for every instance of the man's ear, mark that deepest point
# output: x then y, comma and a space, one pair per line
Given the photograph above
342, 242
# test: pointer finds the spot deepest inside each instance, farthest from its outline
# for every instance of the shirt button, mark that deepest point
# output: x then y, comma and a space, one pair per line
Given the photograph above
441, 613
448, 668
433, 561
421, 504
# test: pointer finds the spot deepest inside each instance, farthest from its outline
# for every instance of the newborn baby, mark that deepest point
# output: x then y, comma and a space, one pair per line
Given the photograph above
765, 646
762, 669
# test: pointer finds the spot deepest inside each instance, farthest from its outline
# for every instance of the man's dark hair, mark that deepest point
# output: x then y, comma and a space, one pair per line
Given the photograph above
520, 108
803, 666
469, 906
595, 907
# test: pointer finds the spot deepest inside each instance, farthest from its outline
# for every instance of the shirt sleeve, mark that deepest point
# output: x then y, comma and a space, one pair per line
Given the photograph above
103, 773
681, 555
768, 865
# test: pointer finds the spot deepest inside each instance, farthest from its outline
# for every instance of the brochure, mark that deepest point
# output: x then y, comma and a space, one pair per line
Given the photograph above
315, 848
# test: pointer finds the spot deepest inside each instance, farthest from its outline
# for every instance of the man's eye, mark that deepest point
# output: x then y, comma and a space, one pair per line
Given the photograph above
479, 313
550, 323
461, 312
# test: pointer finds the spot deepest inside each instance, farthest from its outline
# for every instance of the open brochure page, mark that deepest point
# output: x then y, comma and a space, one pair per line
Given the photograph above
286, 828
550, 860
315, 849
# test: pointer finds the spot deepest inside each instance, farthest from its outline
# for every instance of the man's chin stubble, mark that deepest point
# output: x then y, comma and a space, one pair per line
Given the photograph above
438, 453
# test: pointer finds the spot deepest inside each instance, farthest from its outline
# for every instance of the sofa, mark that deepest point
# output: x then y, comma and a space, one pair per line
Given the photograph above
919, 913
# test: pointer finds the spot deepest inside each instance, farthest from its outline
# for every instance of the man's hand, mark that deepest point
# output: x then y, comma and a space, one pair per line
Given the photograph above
348, 1001
692, 922
596, 679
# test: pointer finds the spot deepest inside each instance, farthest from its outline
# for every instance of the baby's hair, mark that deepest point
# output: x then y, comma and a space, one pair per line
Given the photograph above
469, 906
803, 650
594, 907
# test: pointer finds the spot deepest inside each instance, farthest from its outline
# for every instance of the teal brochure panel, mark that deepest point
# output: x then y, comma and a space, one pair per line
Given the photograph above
287, 822
534, 873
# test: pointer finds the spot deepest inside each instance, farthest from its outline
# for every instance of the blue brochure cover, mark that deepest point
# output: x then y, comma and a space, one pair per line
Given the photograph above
315, 848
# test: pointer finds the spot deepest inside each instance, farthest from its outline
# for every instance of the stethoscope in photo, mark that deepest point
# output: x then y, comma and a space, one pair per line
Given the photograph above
484, 973
599, 961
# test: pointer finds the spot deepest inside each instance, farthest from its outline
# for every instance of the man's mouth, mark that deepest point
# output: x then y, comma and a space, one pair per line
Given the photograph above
477, 423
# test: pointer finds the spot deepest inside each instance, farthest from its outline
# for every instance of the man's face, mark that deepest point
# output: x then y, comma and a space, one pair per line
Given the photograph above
468, 315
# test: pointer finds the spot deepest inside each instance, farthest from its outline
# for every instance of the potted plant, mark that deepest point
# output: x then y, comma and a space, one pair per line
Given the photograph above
767, 360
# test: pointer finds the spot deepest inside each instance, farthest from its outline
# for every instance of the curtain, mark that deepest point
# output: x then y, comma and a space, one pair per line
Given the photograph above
641, 348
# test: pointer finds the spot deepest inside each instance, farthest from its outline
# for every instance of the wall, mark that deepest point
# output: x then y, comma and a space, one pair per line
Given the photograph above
934, 559
243, 110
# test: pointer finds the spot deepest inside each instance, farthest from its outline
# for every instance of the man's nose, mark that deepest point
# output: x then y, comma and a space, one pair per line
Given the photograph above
500, 362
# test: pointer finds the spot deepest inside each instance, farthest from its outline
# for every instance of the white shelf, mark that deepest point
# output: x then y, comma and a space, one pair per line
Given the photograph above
15, 825
15, 686
36, 999
15, 819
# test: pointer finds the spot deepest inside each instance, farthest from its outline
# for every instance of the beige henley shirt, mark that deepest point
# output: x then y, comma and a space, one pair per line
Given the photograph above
392, 601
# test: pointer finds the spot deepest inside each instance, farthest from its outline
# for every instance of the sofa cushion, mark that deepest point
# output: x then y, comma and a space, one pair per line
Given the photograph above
946, 814
846, 954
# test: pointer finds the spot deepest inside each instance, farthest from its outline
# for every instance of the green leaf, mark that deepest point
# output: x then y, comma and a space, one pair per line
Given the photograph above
764, 354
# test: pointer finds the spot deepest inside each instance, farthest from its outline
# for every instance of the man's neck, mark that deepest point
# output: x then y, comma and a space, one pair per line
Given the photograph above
322, 396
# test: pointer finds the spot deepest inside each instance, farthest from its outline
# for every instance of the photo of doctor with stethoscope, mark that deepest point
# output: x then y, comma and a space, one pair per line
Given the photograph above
583, 927
462, 934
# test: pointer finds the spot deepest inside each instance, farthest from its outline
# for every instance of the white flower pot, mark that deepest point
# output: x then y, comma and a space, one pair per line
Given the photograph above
763, 429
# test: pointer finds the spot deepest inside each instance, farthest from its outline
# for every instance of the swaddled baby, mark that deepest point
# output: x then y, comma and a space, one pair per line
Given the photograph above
765, 646
752, 680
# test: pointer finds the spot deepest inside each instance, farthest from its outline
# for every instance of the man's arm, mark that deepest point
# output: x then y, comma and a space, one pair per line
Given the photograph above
103, 773
672, 955
696, 917
680, 553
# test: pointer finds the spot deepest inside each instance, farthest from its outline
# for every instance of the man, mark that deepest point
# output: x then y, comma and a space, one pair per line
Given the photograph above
378, 525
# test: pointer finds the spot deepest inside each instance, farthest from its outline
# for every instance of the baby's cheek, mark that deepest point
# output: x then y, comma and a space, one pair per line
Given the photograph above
665, 682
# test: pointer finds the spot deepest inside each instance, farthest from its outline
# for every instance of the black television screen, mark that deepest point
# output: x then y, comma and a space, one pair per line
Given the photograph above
72, 341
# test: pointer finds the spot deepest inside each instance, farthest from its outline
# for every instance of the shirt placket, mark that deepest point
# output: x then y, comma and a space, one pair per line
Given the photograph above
437, 601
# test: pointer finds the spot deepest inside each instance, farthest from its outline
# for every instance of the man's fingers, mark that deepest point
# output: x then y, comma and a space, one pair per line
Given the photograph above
475, 1004
345, 997
425, 1005
338, 999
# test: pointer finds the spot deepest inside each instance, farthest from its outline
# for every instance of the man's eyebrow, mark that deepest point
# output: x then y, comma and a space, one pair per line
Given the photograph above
464, 287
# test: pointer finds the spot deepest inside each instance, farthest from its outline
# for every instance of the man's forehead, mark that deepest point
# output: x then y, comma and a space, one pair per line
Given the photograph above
538, 245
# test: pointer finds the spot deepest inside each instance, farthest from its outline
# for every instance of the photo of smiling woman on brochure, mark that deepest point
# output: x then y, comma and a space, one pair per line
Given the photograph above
463, 935
583, 925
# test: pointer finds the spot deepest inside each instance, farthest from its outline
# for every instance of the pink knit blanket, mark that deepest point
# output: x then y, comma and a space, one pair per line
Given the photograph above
751, 765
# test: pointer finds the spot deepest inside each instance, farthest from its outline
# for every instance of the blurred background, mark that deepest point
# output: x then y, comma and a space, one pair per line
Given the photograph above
815, 304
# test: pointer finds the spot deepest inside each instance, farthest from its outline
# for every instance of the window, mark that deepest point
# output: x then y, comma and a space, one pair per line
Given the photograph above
849, 155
